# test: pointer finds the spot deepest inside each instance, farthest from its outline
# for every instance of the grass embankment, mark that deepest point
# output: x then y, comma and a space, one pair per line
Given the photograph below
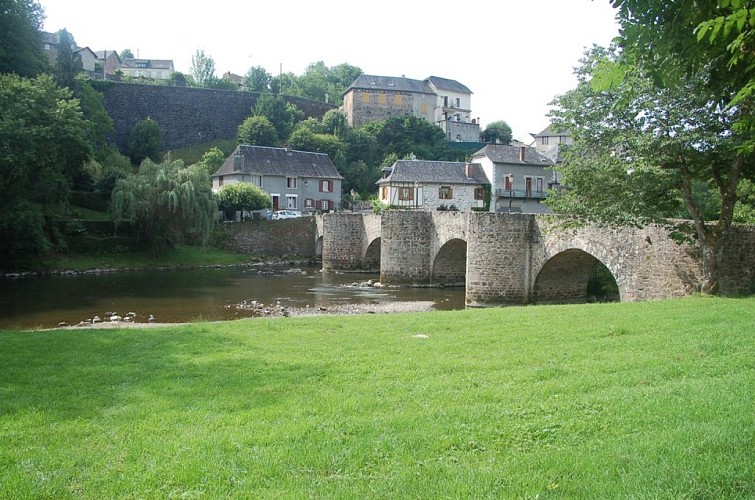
640, 400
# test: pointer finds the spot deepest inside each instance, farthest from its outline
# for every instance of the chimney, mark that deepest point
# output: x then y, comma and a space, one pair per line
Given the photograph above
238, 161
470, 170
521, 153
288, 149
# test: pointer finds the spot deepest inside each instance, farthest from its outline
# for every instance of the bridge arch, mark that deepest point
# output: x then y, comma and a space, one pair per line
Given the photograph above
371, 259
450, 264
570, 277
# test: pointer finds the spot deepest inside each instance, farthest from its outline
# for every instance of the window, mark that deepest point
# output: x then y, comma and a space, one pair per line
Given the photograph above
507, 183
423, 108
406, 193
326, 186
544, 141
381, 99
309, 203
366, 98
479, 193
257, 180
324, 204
398, 100
458, 102
220, 180
291, 201
445, 193
291, 182
384, 195
539, 184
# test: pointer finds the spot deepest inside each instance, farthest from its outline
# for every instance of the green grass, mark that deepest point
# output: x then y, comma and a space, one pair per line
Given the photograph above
181, 256
635, 400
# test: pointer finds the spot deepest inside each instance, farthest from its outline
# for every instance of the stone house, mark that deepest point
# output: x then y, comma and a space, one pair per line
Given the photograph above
108, 61
430, 185
297, 180
441, 101
519, 176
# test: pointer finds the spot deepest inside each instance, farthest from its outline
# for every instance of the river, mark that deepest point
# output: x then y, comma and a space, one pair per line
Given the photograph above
179, 296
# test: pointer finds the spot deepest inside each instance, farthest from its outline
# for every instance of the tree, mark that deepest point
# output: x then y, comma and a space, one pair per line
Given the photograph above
319, 81
406, 135
145, 140
257, 131
640, 147
497, 133
202, 69
93, 107
126, 54
303, 139
257, 80
68, 63
43, 137
167, 203
283, 115
21, 38
243, 197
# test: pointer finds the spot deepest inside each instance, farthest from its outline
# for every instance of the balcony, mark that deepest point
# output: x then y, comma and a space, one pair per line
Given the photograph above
521, 193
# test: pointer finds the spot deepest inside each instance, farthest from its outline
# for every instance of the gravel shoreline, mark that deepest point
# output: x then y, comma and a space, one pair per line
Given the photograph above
337, 310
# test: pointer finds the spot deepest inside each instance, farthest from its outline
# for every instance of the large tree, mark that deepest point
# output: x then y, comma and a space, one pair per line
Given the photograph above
283, 115
167, 203
21, 38
43, 139
497, 132
202, 69
257, 79
257, 131
68, 62
642, 151
243, 197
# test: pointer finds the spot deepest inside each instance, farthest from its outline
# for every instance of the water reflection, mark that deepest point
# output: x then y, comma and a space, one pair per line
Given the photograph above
181, 296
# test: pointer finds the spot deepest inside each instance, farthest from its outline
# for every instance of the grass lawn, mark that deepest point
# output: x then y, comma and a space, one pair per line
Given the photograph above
635, 400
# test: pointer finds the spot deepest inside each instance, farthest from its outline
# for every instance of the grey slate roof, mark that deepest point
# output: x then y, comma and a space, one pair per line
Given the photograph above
434, 172
551, 131
446, 84
396, 83
499, 153
267, 161
149, 63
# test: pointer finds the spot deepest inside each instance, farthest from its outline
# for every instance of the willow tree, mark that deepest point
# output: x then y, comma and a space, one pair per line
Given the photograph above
167, 203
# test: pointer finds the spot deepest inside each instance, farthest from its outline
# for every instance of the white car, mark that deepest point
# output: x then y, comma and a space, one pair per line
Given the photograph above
286, 214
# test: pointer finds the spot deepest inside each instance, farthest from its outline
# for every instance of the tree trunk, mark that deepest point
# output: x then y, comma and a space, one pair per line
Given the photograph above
710, 254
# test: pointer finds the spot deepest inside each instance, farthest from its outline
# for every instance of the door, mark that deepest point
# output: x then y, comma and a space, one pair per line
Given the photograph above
276, 202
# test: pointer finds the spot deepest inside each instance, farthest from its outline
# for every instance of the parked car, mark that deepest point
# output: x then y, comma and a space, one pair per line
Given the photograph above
286, 214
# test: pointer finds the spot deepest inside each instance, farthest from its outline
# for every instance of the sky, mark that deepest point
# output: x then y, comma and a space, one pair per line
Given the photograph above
514, 55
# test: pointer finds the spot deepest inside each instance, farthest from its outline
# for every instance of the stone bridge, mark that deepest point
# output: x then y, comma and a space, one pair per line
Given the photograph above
524, 259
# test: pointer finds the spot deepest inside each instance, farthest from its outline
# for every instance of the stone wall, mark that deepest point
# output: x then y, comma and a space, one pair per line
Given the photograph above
186, 115
344, 240
273, 238
737, 272
405, 255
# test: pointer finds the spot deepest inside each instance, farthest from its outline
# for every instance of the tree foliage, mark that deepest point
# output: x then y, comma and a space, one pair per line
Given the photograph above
497, 132
406, 135
167, 203
145, 141
244, 197
283, 115
43, 139
257, 131
21, 38
202, 69
68, 63
257, 79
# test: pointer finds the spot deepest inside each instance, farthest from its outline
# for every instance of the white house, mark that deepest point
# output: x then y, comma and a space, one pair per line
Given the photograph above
434, 185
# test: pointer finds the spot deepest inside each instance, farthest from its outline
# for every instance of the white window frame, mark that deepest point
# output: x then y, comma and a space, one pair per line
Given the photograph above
292, 198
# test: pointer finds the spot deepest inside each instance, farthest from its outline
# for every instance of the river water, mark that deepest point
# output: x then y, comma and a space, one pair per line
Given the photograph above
179, 296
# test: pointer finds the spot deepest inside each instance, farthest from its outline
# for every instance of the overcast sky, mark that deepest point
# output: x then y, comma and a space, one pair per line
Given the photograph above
514, 55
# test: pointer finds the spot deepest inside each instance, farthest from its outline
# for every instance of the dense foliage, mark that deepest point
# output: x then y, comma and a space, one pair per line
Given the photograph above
243, 197
44, 147
167, 203
21, 38
145, 141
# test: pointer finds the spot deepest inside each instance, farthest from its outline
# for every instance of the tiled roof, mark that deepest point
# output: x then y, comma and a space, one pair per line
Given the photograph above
446, 84
396, 83
511, 155
450, 172
551, 131
267, 161
148, 63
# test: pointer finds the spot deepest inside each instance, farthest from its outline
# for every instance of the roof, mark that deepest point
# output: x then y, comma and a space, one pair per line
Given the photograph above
435, 172
551, 131
499, 153
395, 83
267, 161
148, 63
446, 84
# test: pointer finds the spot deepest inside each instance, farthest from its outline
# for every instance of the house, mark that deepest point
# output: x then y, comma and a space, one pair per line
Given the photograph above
108, 61
51, 47
434, 185
441, 101
298, 180
548, 142
155, 69
519, 176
